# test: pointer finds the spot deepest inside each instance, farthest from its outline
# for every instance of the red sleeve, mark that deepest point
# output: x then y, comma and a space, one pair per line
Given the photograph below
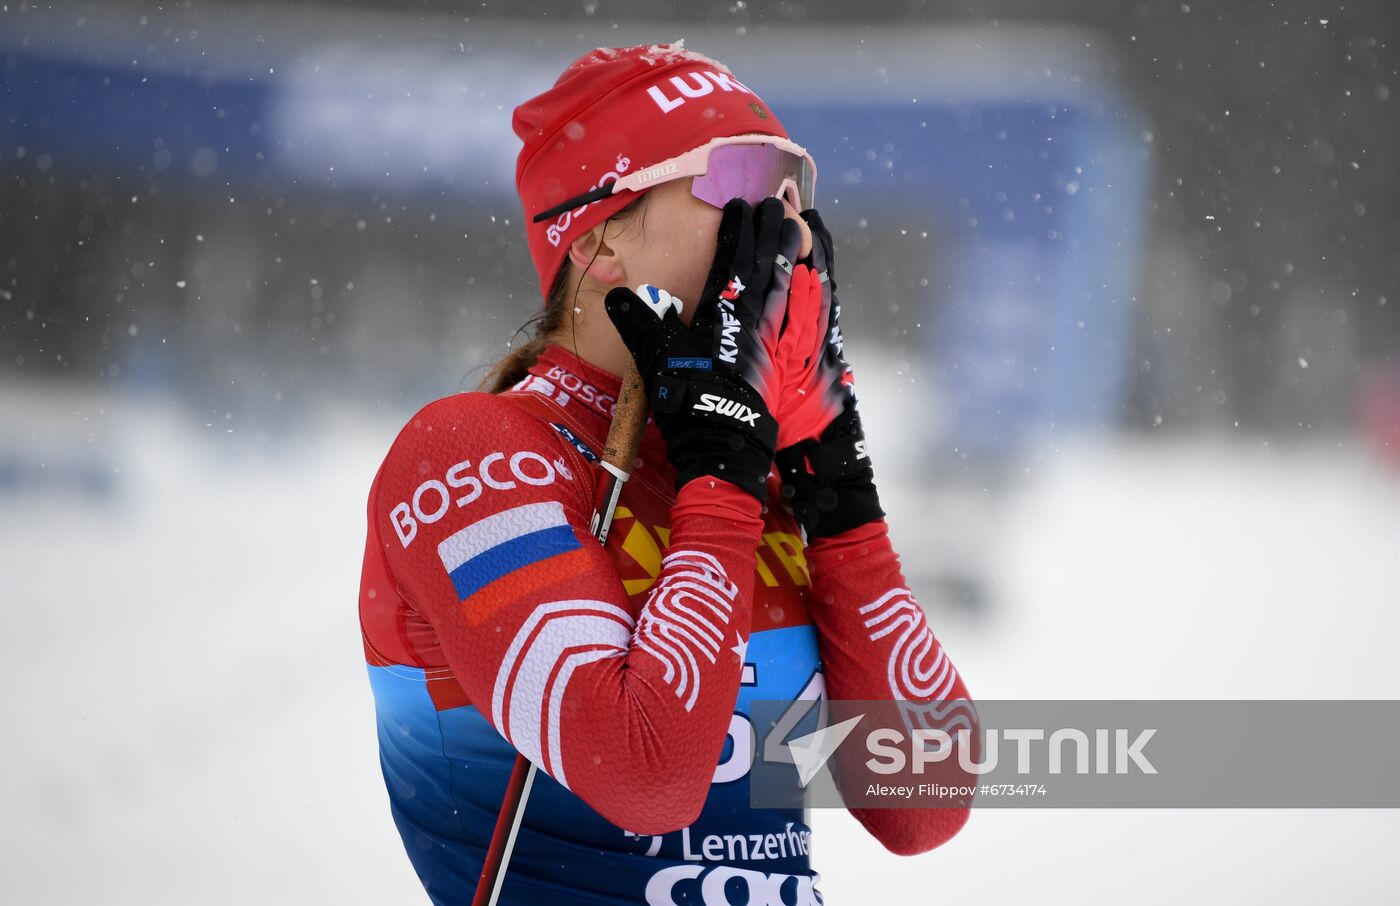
876, 645
484, 527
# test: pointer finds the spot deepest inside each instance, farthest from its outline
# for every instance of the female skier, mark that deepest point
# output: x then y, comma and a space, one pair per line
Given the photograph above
494, 622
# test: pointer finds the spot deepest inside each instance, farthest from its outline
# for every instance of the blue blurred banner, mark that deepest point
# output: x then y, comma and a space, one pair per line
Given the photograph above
1014, 149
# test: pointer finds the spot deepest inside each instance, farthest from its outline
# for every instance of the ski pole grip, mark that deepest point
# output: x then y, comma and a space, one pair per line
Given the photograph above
629, 418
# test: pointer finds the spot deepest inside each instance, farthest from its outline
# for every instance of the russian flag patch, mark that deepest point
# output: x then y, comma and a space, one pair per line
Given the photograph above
525, 545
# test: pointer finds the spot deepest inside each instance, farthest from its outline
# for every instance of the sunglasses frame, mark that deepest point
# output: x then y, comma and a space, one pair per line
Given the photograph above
695, 162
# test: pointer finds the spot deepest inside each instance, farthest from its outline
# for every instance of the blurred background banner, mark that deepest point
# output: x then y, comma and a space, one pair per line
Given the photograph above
1013, 155
1120, 287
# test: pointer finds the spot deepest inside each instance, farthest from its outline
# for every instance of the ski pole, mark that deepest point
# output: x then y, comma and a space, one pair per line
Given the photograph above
619, 453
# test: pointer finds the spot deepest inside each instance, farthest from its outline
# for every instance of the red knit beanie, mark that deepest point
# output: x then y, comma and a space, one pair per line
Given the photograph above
613, 110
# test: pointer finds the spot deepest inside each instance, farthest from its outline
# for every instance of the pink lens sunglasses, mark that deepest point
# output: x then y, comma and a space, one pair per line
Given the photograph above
751, 167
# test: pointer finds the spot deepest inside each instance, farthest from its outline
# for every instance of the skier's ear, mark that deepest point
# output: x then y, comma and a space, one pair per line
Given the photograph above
591, 254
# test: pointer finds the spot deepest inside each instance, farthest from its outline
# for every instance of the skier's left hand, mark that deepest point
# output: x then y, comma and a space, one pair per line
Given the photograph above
817, 381
822, 455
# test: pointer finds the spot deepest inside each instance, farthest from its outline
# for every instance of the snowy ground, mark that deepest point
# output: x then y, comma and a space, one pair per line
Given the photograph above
188, 719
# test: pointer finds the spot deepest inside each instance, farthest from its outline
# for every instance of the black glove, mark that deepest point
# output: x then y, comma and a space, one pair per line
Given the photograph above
829, 482
712, 385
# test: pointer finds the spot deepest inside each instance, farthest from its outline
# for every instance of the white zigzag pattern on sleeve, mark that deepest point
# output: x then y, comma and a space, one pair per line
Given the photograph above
919, 670
558, 638
686, 615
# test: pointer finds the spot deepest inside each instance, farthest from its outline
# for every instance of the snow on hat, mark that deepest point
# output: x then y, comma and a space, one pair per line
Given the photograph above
615, 109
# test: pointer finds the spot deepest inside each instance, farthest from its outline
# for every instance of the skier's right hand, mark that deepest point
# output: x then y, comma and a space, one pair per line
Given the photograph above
713, 385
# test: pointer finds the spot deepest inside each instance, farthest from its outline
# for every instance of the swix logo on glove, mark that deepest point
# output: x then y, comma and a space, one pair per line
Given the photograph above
732, 291
710, 402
